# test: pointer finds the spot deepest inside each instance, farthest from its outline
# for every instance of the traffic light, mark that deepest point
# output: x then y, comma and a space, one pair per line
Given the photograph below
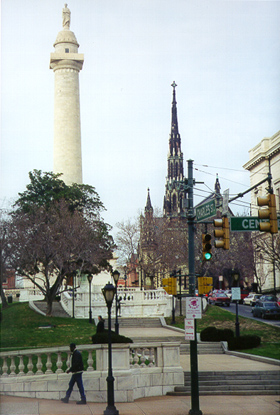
206, 247
223, 233
268, 213
174, 286
170, 285
205, 285
167, 285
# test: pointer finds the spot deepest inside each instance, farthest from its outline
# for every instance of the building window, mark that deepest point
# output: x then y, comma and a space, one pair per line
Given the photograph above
66, 50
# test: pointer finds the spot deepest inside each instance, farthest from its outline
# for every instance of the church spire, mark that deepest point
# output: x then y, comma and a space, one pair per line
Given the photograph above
174, 120
174, 193
217, 185
148, 206
149, 211
175, 139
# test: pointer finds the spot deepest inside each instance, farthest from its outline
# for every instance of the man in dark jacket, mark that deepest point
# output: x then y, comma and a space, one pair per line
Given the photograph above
100, 325
76, 367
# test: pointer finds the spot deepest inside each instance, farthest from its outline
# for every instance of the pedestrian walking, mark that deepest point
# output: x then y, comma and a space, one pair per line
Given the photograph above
76, 367
100, 325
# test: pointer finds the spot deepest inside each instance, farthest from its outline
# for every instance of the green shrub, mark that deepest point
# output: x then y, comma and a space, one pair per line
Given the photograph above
211, 334
244, 342
102, 338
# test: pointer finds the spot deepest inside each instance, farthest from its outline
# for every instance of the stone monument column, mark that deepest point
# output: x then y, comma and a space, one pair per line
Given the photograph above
66, 63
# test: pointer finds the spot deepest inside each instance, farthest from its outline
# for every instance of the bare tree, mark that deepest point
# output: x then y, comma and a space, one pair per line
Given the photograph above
50, 244
127, 239
267, 257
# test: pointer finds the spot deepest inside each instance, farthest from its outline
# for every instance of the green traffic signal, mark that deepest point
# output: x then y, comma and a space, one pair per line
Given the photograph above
207, 256
206, 247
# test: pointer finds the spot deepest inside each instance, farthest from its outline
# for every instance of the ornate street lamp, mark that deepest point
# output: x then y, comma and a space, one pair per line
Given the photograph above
109, 291
116, 276
125, 277
89, 277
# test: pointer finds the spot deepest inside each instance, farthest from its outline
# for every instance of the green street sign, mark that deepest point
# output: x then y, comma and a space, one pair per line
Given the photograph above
207, 210
247, 223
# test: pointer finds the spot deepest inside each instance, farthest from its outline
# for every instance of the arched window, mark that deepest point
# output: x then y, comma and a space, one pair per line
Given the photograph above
174, 202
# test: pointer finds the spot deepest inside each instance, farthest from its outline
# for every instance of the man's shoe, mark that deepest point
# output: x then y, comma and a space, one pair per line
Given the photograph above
82, 402
65, 400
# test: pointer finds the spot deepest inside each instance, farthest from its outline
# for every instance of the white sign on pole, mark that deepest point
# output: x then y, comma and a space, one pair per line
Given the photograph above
189, 329
193, 307
235, 293
225, 202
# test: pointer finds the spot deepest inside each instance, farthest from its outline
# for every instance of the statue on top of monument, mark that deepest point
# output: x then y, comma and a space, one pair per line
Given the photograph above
66, 17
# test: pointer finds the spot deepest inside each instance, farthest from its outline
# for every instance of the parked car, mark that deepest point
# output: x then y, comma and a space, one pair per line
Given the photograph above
268, 297
251, 299
266, 309
219, 298
228, 293
244, 294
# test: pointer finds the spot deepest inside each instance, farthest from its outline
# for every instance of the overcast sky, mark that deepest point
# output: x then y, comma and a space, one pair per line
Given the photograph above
223, 55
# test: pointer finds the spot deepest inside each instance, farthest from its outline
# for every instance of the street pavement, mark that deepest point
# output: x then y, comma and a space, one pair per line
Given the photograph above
164, 405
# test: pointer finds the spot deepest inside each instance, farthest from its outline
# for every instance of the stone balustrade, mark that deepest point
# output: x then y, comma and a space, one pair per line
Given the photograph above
134, 303
140, 370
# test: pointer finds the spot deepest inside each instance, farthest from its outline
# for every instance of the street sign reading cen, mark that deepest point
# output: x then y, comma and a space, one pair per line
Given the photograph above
246, 223
206, 210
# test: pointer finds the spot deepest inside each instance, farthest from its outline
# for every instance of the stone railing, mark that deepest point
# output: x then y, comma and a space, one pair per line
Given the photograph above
146, 303
140, 369
30, 293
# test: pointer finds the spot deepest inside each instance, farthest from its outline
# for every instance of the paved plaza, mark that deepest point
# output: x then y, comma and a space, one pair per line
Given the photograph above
163, 405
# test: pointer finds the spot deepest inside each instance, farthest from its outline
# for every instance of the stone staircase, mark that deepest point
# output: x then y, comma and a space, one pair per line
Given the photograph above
203, 348
138, 322
232, 383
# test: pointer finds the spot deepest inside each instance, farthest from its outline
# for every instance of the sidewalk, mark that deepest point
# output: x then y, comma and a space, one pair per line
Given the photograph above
163, 405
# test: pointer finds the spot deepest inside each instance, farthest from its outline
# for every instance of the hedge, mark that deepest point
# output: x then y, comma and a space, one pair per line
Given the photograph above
244, 342
211, 334
102, 338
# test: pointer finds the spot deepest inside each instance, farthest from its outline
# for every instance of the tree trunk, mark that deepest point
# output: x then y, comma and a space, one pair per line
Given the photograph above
3, 298
49, 306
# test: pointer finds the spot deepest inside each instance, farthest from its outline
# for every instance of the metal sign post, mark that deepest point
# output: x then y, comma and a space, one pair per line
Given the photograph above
193, 343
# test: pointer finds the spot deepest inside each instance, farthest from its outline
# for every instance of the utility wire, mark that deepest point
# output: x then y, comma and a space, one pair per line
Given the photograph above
221, 168
220, 177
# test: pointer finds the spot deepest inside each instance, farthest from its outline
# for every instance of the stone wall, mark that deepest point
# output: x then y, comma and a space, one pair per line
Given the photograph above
140, 370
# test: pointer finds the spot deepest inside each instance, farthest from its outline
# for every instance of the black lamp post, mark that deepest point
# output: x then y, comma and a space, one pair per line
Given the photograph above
73, 293
109, 291
125, 277
116, 276
89, 277
236, 277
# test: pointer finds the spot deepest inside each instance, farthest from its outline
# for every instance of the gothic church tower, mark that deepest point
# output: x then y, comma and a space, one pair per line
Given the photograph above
174, 187
66, 63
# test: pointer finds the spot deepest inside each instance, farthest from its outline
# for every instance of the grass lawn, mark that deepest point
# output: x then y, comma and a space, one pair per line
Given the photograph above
221, 318
21, 328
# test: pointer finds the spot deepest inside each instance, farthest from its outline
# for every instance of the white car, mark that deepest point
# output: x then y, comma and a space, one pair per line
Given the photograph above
251, 299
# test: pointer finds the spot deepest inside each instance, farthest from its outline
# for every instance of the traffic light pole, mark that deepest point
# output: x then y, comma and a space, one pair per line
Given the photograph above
193, 343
